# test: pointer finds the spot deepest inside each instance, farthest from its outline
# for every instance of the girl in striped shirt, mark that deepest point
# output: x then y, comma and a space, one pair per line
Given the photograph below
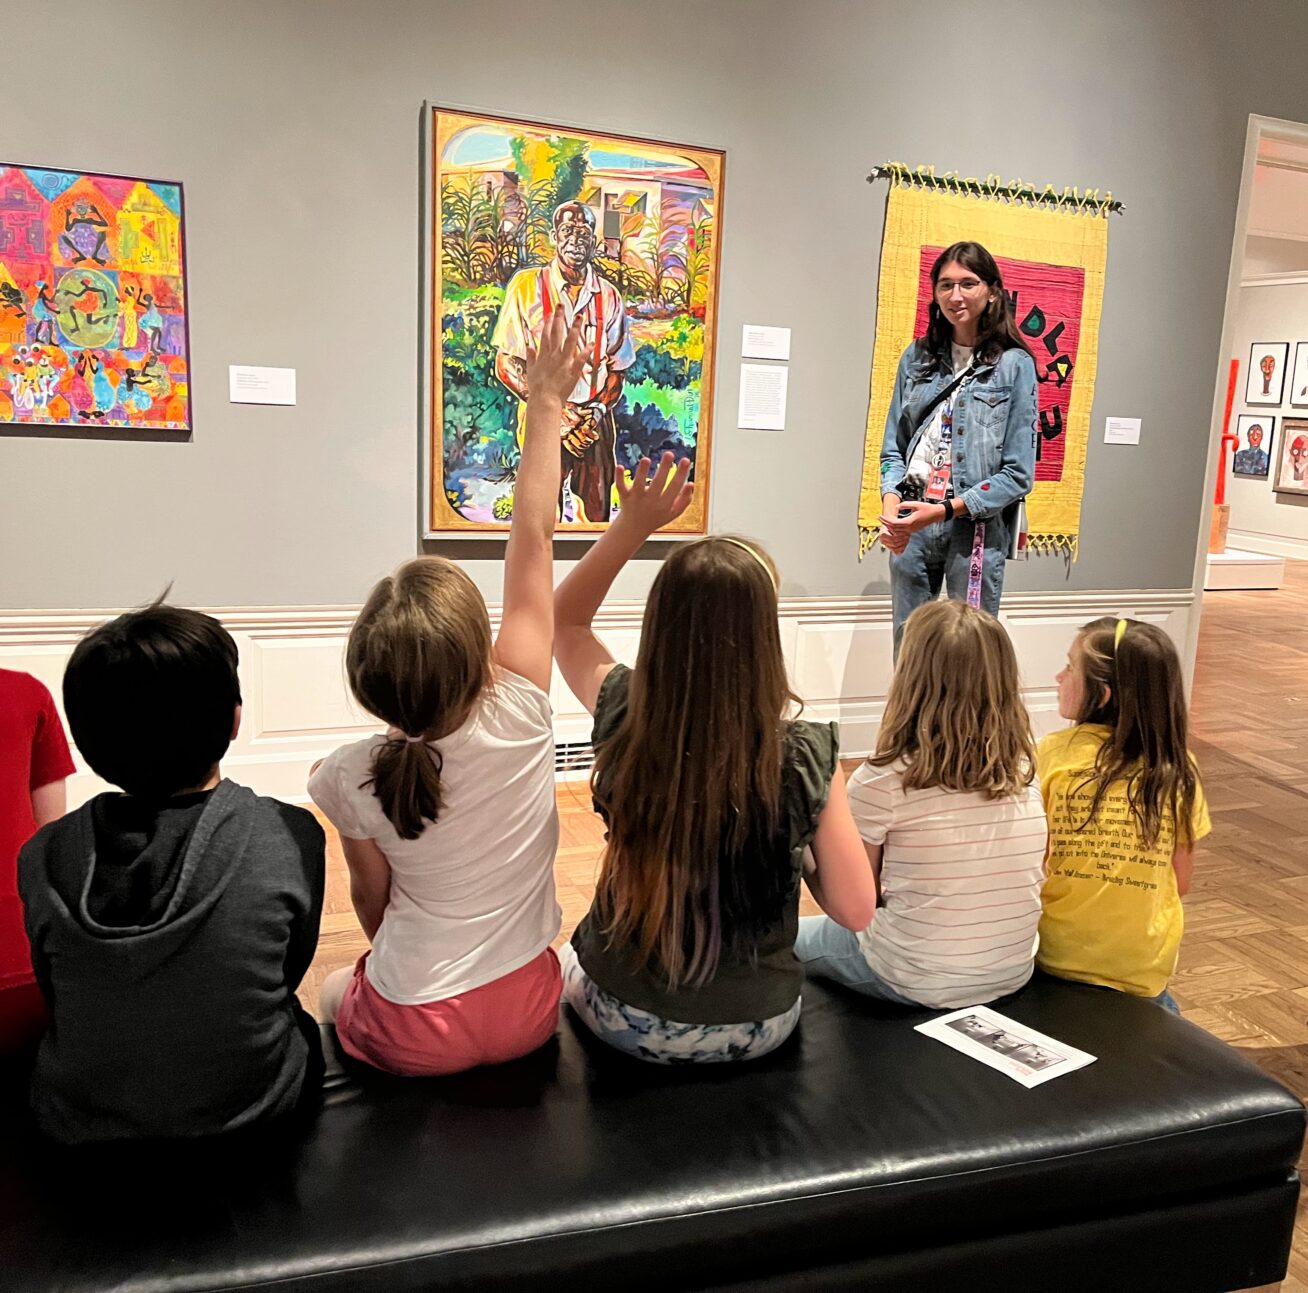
953, 825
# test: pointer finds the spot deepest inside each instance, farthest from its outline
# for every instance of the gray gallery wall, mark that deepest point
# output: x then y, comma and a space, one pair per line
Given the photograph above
294, 126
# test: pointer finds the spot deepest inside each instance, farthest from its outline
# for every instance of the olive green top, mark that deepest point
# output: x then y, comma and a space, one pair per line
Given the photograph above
741, 990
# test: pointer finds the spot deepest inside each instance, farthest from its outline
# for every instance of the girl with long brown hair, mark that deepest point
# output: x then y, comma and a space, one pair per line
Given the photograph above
952, 822
711, 793
1126, 808
448, 821
958, 455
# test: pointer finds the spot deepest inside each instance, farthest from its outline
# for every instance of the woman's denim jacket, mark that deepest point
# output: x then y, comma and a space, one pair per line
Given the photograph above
994, 429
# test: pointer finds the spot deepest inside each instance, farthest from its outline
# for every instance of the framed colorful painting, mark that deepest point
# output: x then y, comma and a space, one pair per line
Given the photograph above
522, 219
1265, 383
1254, 433
1292, 461
93, 328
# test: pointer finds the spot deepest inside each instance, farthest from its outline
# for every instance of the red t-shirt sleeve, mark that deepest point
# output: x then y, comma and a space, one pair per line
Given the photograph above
51, 760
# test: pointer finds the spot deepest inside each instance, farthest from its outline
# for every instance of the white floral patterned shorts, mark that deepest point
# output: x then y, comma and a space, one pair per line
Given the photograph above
663, 1041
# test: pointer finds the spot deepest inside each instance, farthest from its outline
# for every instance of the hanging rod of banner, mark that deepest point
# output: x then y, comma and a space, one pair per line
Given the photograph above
1018, 192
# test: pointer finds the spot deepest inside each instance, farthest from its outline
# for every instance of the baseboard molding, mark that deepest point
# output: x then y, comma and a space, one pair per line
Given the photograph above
298, 708
1275, 545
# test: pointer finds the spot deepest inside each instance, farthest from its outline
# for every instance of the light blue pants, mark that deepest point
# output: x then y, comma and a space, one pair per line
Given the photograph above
940, 554
830, 951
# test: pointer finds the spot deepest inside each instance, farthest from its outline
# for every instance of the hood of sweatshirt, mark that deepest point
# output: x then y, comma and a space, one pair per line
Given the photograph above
139, 877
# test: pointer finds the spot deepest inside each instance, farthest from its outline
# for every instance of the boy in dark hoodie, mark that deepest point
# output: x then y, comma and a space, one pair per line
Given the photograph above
170, 925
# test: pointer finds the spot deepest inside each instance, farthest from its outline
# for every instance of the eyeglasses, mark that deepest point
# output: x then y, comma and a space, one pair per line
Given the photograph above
966, 285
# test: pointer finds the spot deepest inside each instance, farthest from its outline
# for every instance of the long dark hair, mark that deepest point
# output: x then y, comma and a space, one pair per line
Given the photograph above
690, 783
1134, 687
996, 329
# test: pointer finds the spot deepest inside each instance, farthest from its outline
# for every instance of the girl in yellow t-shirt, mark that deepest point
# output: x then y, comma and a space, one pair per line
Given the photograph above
1125, 806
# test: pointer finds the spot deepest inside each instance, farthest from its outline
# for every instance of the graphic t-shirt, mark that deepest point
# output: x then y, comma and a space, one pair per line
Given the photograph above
1112, 914
929, 453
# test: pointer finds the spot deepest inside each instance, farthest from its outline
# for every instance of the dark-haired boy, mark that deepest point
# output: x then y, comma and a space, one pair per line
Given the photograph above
171, 924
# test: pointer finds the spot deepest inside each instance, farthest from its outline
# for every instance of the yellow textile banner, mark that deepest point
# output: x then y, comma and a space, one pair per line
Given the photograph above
1052, 259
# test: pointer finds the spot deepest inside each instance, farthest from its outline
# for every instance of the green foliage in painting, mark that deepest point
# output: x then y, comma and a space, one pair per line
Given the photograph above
480, 414
654, 225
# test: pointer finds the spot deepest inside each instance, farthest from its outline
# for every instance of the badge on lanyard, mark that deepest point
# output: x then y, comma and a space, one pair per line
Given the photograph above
937, 485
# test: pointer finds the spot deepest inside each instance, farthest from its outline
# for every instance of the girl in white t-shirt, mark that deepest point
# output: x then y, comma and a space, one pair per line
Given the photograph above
952, 824
448, 821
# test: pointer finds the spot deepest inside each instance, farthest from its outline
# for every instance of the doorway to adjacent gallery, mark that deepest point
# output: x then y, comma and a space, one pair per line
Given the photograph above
1243, 971
1258, 468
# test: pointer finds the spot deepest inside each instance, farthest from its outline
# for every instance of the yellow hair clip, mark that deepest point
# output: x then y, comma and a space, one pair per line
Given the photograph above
1119, 635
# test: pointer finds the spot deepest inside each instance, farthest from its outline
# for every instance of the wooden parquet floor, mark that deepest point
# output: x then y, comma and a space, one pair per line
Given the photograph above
1244, 962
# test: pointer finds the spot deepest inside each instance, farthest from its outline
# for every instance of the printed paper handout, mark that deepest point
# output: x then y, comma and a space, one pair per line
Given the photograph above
1001, 1043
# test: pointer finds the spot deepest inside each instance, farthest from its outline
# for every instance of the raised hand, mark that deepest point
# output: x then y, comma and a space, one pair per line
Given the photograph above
650, 502
555, 364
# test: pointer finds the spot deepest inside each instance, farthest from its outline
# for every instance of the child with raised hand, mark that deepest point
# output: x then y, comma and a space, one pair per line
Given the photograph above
1126, 808
952, 823
711, 795
448, 821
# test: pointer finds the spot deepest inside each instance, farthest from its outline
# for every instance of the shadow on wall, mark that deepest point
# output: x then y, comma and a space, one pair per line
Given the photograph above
462, 550
29, 431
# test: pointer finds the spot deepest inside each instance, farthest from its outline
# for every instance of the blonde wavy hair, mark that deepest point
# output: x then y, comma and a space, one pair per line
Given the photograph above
955, 714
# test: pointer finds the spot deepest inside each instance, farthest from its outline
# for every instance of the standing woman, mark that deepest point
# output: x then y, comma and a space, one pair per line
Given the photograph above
959, 449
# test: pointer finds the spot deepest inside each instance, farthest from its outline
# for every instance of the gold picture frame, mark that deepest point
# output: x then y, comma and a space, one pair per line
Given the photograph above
507, 207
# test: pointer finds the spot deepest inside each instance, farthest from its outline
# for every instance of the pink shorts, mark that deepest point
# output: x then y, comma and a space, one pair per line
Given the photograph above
501, 1020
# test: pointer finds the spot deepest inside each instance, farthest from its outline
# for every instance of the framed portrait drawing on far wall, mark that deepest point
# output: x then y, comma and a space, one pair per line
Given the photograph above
1265, 383
1299, 377
524, 219
1253, 452
1292, 459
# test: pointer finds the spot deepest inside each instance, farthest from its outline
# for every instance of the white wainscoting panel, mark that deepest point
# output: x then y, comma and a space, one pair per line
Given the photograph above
838, 650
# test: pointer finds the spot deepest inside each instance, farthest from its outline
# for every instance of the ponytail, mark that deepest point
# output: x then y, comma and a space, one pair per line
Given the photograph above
418, 657
406, 778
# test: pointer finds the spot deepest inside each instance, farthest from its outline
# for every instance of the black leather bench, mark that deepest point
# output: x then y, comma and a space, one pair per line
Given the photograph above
864, 1155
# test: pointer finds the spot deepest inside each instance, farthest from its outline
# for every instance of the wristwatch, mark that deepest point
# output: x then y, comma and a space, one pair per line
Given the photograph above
948, 505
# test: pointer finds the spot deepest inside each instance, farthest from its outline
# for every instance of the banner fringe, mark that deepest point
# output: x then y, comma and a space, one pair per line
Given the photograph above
1042, 545
1045, 545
